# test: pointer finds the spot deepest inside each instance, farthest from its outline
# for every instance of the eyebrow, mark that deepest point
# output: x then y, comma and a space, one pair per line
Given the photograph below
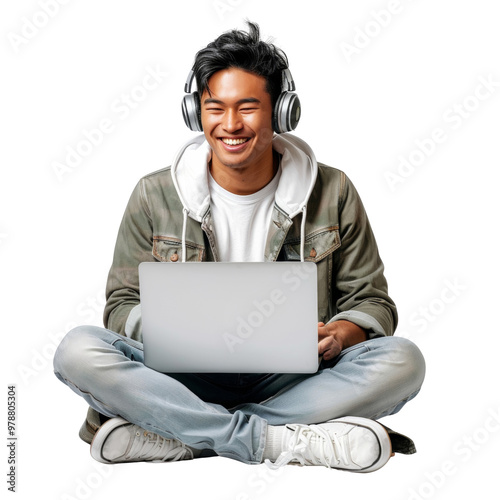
211, 100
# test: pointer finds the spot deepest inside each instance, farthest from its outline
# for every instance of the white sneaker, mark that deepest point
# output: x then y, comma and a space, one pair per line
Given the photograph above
351, 443
118, 441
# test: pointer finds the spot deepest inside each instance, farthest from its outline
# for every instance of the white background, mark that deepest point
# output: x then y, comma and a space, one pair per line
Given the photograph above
372, 84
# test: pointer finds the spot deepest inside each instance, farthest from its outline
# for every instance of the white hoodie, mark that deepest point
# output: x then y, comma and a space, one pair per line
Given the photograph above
298, 176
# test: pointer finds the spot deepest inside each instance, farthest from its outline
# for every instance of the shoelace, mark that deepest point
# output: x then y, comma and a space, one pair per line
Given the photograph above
148, 446
312, 445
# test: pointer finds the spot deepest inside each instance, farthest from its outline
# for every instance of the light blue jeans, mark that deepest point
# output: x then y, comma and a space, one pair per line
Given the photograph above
229, 413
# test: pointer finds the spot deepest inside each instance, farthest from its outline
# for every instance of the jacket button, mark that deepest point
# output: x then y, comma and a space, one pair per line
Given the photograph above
174, 257
313, 253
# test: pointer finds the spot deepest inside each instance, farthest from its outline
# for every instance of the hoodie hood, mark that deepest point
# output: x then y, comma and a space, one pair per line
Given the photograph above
298, 176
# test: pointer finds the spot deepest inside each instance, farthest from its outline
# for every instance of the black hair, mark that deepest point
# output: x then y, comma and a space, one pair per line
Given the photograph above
238, 49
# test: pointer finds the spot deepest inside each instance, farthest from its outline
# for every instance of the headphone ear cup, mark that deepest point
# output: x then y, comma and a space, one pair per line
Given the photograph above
191, 112
286, 113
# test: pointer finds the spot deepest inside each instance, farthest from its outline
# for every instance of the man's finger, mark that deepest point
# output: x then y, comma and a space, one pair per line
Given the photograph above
323, 345
322, 332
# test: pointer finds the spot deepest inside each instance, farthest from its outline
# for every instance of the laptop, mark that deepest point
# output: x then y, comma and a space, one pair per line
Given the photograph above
229, 317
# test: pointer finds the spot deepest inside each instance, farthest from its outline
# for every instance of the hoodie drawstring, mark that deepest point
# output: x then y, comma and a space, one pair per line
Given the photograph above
303, 233
184, 224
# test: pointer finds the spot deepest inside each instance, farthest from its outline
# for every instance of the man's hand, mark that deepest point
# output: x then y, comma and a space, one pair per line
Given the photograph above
336, 336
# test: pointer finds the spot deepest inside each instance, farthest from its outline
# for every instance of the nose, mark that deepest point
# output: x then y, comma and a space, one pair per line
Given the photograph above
232, 121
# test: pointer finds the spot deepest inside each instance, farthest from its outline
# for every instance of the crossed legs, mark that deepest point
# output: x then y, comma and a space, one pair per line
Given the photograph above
372, 379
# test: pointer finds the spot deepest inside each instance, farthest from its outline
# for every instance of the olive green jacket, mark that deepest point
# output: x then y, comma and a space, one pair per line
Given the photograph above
337, 236
175, 201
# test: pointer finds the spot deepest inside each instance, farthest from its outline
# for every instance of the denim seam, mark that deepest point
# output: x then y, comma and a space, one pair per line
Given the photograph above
404, 400
58, 375
262, 442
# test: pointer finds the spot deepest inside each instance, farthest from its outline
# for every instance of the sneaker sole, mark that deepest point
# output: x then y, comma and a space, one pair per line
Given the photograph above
100, 438
382, 437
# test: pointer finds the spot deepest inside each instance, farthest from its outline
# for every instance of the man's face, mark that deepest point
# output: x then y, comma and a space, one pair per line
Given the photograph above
237, 118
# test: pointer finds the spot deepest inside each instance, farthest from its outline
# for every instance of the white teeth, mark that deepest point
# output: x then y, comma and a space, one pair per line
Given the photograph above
234, 142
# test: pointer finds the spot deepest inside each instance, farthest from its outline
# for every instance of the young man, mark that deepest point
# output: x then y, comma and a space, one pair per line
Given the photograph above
240, 192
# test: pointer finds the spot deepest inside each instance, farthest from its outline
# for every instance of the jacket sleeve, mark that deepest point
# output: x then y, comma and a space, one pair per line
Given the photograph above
133, 246
359, 287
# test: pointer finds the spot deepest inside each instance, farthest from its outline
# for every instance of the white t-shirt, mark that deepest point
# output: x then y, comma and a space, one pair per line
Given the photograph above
241, 222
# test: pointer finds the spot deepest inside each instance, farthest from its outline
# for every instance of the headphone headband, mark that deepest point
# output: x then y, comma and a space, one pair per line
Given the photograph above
189, 82
287, 78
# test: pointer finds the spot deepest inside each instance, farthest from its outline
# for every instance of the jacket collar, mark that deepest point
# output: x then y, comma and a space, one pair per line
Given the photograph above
298, 176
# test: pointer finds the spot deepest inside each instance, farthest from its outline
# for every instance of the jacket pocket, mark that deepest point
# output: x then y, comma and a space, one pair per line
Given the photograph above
167, 249
317, 245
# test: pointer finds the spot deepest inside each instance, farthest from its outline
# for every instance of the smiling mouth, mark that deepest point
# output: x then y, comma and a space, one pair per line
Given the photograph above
234, 142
